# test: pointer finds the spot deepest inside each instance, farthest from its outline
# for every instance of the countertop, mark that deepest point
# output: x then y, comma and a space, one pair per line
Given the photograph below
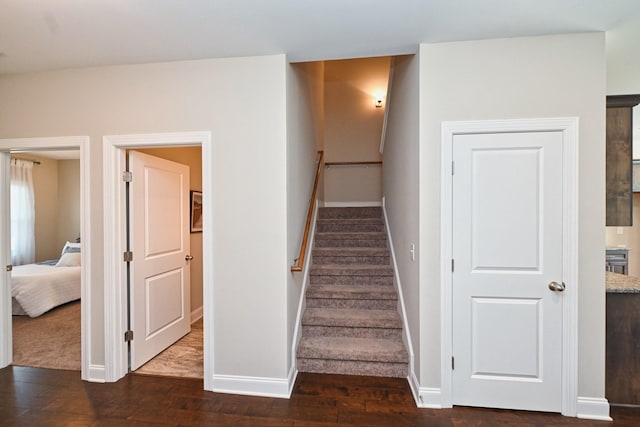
622, 284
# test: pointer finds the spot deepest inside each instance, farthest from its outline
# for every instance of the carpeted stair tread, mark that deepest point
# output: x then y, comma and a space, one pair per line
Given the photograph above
355, 318
353, 367
350, 235
350, 348
351, 324
350, 270
352, 212
351, 251
351, 256
349, 221
352, 291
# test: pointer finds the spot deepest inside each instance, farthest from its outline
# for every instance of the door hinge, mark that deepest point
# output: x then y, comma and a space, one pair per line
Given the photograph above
127, 176
453, 363
127, 256
453, 266
453, 168
9, 267
128, 336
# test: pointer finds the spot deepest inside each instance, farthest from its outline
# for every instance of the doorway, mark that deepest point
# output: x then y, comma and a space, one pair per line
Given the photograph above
116, 360
183, 358
479, 355
7, 146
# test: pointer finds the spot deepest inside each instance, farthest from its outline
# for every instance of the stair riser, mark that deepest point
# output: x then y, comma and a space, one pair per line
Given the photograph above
343, 331
349, 228
351, 280
352, 323
374, 304
347, 294
322, 242
368, 212
368, 260
347, 367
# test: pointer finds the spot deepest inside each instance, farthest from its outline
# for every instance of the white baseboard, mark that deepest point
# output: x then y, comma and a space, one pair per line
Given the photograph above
96, 374
255, 386
403, 311
425, 397
593, 408
352, 204
196, 314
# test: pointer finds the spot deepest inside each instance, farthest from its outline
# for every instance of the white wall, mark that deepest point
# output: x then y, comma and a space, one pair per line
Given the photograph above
305, 113
68, 201
353, 127
401, 173
552, 76
242, 102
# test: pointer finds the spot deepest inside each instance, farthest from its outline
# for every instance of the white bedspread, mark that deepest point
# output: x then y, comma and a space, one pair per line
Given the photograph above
39, 288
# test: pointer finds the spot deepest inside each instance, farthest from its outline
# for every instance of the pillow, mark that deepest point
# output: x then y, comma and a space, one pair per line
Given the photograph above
70, 248
70, 259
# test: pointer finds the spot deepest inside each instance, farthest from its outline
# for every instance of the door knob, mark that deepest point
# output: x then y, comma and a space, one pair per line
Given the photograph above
557, 287
188, 257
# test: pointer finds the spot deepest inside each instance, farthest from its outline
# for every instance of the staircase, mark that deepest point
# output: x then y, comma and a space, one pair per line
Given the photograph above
351, 323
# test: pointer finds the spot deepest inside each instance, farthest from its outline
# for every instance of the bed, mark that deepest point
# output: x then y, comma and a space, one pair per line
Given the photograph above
37, 288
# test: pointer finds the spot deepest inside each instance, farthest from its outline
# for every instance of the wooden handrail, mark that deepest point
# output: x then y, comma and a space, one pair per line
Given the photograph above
378, 162
307, 228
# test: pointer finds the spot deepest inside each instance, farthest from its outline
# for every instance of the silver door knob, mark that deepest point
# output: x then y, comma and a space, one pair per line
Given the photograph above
188, 257
557, 287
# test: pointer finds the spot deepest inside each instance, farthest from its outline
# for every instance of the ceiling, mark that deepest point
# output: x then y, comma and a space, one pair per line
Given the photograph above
43, 34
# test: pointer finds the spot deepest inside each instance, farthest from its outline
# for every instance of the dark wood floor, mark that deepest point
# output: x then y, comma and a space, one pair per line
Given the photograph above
41, 397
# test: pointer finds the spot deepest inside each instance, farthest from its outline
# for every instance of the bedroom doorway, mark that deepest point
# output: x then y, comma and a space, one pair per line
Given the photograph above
46, 259
115, 150
46, 148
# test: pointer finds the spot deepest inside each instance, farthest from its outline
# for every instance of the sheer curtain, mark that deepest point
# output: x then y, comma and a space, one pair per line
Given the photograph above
23, 246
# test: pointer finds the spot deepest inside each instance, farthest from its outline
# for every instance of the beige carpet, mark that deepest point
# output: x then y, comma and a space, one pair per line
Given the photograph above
49, 341
185, 358
53, 341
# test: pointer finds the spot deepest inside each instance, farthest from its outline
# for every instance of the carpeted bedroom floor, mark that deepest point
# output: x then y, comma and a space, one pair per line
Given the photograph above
53, 341
49, 341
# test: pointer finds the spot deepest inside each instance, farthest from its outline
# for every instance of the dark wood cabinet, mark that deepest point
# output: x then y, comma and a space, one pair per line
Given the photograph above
623, 348
619, 159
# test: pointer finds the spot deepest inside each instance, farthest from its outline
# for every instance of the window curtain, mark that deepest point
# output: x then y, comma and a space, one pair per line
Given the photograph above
23, 245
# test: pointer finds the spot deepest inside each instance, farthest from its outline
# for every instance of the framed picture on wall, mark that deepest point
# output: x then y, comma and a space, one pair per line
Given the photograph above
636, 176
196, 211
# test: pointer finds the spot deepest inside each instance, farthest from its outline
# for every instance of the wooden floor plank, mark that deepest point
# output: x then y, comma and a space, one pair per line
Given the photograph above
42, 397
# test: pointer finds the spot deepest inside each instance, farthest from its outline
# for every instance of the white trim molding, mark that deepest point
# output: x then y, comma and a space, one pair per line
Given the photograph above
297, 332
196, 314
96, 374
81, 143
255, 386
593, 408
425, 397
115, 296
6, 333
568, 126
406, 337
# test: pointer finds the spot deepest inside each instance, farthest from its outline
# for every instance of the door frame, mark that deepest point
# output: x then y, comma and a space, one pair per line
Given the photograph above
568, 126
81, 143
115, 296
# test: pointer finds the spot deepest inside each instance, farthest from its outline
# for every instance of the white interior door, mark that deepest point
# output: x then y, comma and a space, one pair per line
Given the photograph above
508, 248
159, 294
